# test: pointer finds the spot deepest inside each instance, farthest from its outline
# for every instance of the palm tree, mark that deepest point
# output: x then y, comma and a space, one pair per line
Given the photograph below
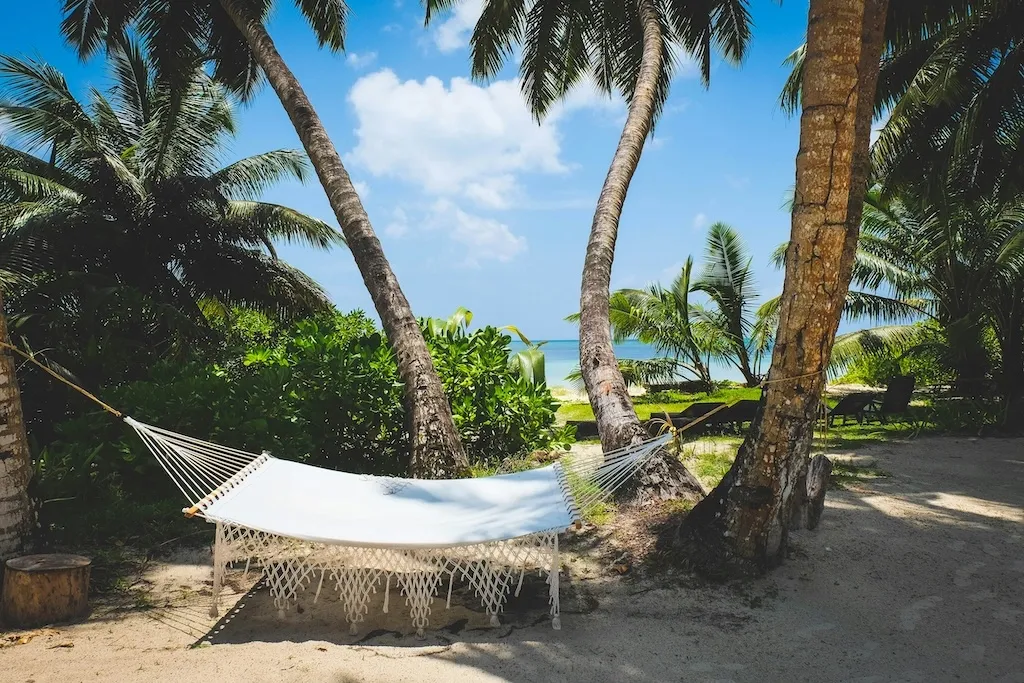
625, 46
953, 90
665, 318
952, 262
691, 333
130, 196
232, 36
955, 94
728, 280
742, 525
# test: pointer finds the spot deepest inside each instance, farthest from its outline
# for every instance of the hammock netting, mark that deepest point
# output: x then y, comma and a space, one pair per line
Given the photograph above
359, 534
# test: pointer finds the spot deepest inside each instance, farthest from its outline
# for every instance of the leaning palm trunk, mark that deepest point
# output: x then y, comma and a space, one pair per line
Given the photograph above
742, 526
15, 466
617, 422
749, 378
436, 448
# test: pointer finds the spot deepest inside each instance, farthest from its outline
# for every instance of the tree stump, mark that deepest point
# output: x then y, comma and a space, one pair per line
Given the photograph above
809, 500
45, 589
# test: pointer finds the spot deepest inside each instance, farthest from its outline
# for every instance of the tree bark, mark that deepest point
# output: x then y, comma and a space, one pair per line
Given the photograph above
809, 497
617, 421
741, 527
15, 464
437, 451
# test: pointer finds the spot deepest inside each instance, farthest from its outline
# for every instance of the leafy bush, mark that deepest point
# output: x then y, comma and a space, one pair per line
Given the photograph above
499, 412
324, 391
877, 368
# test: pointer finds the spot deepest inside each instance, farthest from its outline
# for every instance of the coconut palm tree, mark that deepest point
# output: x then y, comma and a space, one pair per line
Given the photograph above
231, 35
955, 95
622, 46
952, 89
16, 516
692, 334
952, 262
728, 280
742, 525
130, 195
668, 320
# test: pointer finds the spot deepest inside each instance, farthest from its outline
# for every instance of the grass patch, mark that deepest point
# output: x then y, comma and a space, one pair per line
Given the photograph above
853, 435
662, 402
599, 513
710, 458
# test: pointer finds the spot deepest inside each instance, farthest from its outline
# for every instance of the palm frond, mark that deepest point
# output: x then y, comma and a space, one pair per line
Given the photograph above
260, 221
891, 340
250, 177
327, 19
789, 98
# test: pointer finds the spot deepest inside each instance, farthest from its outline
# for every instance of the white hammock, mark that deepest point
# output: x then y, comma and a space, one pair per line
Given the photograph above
301, 523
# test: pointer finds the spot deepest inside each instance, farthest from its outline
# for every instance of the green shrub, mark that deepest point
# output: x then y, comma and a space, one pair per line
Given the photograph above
499, 412
324, 391
878, 369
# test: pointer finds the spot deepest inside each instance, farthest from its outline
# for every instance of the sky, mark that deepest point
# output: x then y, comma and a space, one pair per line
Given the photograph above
476, 204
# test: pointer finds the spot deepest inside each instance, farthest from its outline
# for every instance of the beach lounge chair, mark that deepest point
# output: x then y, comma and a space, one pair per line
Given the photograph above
895, 400
738, 414
695, 411
585, 429
852, 405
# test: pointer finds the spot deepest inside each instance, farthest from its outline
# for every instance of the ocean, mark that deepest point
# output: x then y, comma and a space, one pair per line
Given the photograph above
562, 356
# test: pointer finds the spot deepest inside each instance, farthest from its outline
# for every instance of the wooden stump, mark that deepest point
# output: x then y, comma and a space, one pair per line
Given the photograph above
45, 589
809, 500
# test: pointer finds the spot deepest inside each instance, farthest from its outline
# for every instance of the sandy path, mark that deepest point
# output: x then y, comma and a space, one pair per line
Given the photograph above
914, 577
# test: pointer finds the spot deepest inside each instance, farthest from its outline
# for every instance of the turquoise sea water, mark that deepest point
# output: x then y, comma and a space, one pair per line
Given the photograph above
562, 356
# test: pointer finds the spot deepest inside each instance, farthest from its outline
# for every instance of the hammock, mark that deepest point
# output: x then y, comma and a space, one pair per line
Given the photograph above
302, 524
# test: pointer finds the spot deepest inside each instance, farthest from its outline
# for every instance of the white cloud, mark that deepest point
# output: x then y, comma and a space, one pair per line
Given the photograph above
657, 142
474, 238
358, 60
453, 33
459, 139
362, 189
484, 239
700, 221
399, 224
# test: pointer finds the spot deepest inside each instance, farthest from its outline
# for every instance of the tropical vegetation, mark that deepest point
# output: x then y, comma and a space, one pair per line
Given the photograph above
955, 264
121, 232
323, 390
230, 38
690, 334
134, 261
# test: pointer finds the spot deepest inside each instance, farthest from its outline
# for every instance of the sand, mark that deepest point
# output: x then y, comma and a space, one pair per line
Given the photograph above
918, 576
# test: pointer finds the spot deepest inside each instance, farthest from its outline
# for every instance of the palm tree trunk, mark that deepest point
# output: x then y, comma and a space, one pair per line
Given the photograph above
749, 377
742, 526
436, 449
15, 465
617, 422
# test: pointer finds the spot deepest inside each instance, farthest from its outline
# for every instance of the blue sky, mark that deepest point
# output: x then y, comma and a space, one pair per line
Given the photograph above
476, 204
